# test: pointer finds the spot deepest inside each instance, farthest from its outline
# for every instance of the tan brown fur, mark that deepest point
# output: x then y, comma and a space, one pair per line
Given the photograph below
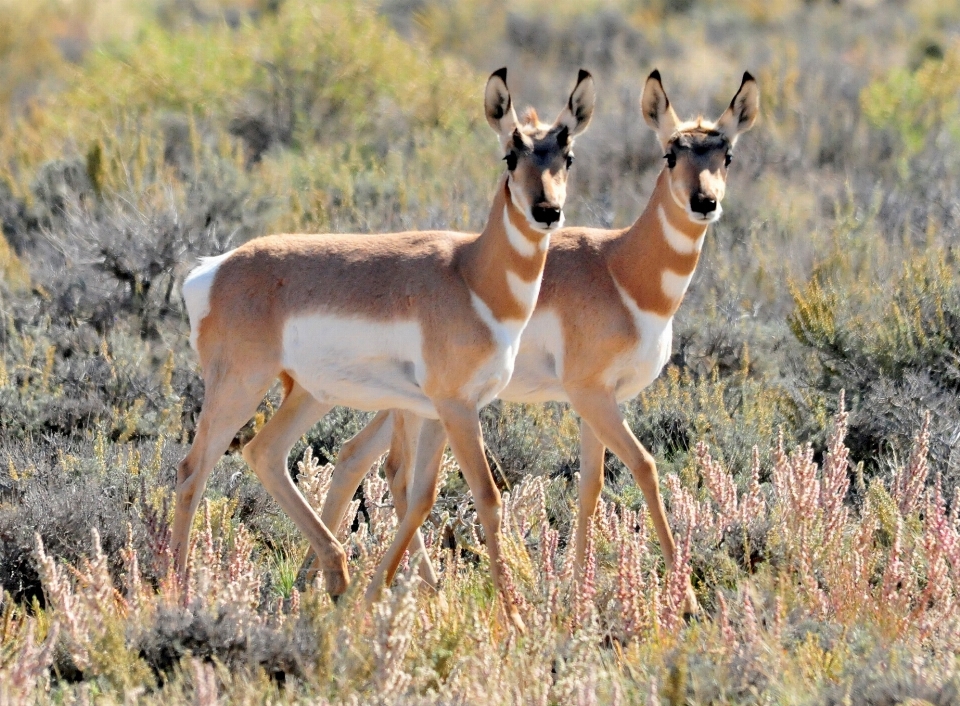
582, 273
586, 271
454, 286
491, 282
393, 277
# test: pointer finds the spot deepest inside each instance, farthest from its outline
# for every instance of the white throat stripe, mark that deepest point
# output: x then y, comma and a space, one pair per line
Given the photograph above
524, 292
677, 240
674, 286
519, 242
505, 333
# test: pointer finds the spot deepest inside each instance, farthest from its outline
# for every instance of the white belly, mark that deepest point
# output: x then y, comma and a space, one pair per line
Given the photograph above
358, 363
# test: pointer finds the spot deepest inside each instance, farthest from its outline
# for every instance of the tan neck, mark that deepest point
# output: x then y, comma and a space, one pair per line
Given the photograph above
645, 252
486, 262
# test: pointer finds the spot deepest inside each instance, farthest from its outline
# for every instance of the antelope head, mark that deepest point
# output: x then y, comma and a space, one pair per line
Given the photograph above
538, 155
698, 152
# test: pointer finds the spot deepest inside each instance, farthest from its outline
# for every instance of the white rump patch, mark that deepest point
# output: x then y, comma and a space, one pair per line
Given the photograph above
196, 292
677, 240
369, 365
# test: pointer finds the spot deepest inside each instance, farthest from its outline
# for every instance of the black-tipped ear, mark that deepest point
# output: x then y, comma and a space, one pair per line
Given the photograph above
656, 109
743, 110
576, 116
498, 105
519, 144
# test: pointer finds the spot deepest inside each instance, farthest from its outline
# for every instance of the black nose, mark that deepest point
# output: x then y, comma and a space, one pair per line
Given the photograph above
703, 204
546, 214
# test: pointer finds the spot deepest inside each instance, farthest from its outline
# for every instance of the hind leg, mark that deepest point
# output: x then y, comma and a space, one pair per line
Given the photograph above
399, 470
423, 493
229, 401
356, 456
267, 455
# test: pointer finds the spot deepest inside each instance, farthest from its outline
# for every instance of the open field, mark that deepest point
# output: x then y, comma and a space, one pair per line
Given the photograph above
807, 429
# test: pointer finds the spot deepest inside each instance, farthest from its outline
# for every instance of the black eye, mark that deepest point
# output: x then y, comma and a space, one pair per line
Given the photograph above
671, 159
728, 159
511, 160
569, 161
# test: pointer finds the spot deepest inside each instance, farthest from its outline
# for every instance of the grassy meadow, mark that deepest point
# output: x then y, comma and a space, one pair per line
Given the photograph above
807, 429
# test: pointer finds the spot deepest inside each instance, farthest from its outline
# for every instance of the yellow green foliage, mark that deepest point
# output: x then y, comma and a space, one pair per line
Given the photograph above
12, 272
883, 318
916, 104
363, 111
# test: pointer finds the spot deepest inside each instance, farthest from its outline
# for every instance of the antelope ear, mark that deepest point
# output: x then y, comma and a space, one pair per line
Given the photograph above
575, 117
656, 108
499, 106
743, 110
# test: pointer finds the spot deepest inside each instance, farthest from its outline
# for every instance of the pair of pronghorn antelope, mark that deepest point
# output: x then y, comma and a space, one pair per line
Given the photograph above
430, 326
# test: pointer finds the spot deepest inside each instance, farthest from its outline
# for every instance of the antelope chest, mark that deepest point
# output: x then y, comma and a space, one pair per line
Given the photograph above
639, 365
495, 372
360, 363
538, 371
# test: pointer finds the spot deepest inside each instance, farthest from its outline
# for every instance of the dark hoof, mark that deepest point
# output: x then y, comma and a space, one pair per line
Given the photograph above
335, 599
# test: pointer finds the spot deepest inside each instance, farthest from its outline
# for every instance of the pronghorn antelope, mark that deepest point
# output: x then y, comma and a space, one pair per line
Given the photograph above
602, 328
421, 321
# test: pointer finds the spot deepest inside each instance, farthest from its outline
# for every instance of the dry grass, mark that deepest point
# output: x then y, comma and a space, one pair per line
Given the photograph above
823, 543
804, 597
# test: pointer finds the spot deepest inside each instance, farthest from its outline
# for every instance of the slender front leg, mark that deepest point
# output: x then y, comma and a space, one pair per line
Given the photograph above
600, 410
422, 495
463, 428
267, 455
591, 485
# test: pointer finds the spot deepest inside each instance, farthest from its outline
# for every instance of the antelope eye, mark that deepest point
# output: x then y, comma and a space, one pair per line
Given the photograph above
569, 161
511, 160
728, 159
671, 159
